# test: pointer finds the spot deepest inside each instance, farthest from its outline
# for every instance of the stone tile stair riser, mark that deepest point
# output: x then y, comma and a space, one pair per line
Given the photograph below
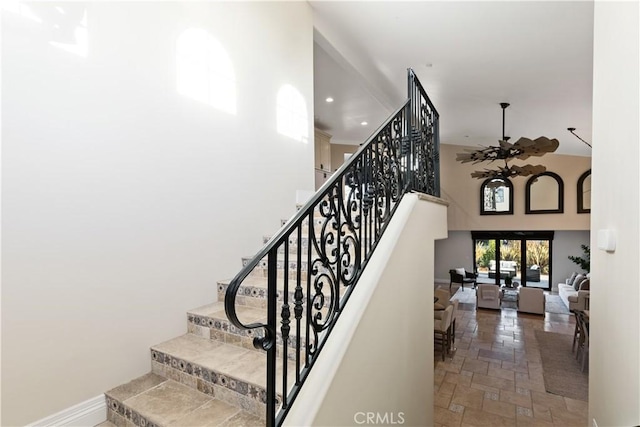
261, 270
293, 246
199, 325
280, 264
126, 417
246, 340
257, 297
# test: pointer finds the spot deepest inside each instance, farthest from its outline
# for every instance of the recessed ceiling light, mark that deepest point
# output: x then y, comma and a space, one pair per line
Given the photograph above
329, 99
364, 123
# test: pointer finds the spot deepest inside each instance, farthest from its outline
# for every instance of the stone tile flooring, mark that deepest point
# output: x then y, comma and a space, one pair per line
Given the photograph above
495, 375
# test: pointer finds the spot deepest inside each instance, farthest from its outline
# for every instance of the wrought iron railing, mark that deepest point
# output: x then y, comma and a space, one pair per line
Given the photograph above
315, 260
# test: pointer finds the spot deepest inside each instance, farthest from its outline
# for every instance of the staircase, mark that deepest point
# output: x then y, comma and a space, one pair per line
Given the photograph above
293, 290
212, 375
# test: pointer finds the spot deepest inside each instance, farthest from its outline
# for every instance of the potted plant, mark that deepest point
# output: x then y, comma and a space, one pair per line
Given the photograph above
508, 281
584, 261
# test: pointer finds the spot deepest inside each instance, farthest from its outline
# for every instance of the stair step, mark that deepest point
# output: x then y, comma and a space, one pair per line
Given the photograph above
210, 321
153, 400
256, 285
231, 373
253, 292
261, 268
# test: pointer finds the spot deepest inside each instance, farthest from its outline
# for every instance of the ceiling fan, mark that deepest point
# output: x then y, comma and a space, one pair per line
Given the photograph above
522, 149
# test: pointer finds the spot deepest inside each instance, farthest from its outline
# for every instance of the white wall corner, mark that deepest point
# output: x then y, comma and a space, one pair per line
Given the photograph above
86, 414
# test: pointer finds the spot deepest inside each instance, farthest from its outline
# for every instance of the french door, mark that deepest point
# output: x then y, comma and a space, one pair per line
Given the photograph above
517, 256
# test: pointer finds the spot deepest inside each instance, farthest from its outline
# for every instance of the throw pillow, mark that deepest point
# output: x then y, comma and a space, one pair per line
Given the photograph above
460, 271
572, 278
576, 282
584, 285
488, 294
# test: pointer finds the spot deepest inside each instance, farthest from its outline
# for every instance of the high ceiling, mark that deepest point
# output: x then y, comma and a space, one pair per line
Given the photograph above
469, 56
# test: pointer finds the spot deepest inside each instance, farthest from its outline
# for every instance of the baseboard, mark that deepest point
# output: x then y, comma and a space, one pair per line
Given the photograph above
86, 414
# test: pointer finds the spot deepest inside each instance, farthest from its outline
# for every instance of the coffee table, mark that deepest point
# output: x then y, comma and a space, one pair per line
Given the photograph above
510, 294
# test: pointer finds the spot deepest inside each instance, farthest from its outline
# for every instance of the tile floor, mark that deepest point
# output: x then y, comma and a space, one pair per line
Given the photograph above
495, 375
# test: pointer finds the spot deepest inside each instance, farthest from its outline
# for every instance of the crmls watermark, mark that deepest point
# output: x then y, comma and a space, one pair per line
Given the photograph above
379, 418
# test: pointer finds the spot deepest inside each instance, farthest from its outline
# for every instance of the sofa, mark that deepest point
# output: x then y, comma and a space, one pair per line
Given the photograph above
507, 269
575, 292
533, 274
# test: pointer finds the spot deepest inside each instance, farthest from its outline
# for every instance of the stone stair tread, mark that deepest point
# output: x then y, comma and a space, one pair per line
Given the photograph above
135, 386
165, 402
216, 311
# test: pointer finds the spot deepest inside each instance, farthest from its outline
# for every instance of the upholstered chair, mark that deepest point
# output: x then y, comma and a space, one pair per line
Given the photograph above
488, 296
531, 300
443, 296
461, 276
441, 330
444, 301
582, 353
454, 317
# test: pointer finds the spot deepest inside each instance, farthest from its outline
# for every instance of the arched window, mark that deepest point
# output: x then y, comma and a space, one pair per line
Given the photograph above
291, 111
204, 70
584, 192
496, 197
544, 193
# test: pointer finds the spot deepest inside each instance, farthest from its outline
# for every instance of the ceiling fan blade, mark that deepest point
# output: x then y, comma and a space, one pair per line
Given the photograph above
527, 170
522, 149
505, 144
523, 142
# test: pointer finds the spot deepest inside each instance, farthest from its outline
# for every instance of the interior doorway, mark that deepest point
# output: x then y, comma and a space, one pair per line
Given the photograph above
522, 257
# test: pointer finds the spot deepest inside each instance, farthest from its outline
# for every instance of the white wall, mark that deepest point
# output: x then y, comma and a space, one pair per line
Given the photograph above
463, 194
387, 366
614, 376
453, 252
567, 243
123, 201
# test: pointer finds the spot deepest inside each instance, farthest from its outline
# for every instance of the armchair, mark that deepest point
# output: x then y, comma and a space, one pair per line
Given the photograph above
531, 300
461, 276
488, 296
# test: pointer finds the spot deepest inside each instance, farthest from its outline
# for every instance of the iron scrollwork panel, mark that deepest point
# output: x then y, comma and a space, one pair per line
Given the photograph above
349, 219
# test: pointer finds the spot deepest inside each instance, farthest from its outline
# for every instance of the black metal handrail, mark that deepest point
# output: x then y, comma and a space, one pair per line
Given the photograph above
325, 247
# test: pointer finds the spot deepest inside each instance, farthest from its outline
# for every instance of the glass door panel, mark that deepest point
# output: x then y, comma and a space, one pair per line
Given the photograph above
501, 255
509, 265
537, 267
485, 253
